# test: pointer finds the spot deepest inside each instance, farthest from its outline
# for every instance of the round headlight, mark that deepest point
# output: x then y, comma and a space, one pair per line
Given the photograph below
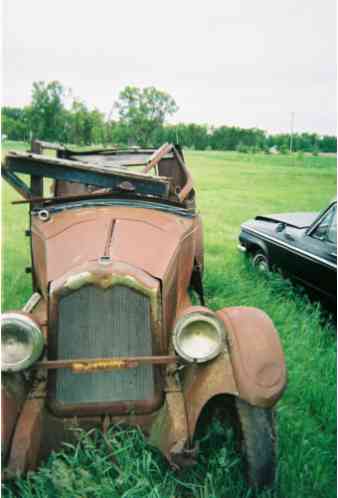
21, 341
199, 337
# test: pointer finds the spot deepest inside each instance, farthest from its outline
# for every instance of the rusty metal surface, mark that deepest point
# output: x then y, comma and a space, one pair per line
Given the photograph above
256, 355
26, 439
154, 253
156, 237
91, 364
169, 432
157, 156
199, 249
39, 313
106, 276
142, 244
203, 382
25, 162
69, 189
89, 193
188, 187
13, 394
121, 316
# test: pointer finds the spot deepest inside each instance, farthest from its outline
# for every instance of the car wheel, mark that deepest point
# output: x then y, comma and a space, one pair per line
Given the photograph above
259, 443
261, 262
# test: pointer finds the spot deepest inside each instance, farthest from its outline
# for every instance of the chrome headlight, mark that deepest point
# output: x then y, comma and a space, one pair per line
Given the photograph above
21, 341
199, 336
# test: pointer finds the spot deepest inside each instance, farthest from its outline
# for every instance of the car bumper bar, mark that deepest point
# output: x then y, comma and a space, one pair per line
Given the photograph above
85, 365
241, 248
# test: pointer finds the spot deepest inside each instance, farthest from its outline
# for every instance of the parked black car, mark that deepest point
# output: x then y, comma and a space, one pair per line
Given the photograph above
302, 245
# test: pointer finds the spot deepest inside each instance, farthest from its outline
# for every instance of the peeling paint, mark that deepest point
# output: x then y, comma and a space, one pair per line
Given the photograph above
82, 367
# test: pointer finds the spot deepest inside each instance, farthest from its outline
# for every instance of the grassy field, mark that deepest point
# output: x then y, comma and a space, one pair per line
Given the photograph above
231, 188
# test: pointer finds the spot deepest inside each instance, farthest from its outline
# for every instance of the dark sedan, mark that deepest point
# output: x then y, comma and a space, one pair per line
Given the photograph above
302, 245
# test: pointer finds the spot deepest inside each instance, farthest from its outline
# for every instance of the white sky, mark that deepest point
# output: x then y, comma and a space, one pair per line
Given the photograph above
235, 62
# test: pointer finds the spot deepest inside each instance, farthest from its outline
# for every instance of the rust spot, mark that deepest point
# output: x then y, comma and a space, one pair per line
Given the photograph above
102, 365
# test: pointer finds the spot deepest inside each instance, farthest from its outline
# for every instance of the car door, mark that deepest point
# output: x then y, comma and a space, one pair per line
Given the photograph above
318, 266
285, 251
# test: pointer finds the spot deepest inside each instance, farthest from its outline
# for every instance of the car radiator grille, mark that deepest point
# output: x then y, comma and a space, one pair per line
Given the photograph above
98, 323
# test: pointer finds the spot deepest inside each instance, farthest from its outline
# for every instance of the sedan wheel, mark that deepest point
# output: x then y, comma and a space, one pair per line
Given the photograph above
261, 262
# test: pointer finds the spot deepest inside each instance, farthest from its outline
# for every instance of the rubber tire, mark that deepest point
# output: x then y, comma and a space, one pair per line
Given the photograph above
259, 444
261, 262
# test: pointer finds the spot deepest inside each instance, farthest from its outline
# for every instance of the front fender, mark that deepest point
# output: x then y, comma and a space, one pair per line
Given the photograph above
201, 382
13, 394
253, 368
253, 243
256, 355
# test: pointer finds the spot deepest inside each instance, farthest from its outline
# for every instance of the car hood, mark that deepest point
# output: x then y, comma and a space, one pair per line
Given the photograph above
296, 220
143, 238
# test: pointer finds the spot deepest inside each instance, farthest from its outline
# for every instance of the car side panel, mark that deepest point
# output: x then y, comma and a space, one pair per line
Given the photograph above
319, 271
296, 255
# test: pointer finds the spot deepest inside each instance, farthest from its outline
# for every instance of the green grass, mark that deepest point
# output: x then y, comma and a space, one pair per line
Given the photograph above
231, 188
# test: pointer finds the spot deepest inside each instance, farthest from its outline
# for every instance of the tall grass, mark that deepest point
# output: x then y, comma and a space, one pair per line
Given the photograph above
231, 188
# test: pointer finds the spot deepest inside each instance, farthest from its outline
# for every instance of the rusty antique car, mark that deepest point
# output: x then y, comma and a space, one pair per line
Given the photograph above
110, 333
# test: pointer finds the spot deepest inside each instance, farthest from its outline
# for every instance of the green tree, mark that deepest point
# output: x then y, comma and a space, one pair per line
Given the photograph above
328, 144
47, 113
77, 131
99, 131
143, 111
14, 123
85, 127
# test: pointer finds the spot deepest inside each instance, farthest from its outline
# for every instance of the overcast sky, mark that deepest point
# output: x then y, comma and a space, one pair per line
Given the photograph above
235, 62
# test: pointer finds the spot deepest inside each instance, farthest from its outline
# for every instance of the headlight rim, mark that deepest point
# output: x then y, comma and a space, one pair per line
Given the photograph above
36, 337
196, 313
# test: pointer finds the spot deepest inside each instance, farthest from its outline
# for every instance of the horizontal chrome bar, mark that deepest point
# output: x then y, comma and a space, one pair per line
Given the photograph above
32, 302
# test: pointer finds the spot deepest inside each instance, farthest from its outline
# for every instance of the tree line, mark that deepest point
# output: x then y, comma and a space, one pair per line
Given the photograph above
138, 117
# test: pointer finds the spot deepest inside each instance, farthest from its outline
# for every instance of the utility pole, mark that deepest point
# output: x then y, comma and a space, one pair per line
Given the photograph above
291, 131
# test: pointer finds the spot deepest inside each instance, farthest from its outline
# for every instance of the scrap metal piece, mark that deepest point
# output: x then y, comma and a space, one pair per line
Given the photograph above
16, 182
157, 156
102, 175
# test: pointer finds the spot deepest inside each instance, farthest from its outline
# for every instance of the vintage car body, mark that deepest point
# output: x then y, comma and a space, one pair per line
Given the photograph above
115, 256
302, 245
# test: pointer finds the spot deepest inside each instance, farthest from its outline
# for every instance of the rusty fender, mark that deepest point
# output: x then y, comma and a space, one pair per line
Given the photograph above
256, 355
170, 432
26, 440
13, 394
253, 368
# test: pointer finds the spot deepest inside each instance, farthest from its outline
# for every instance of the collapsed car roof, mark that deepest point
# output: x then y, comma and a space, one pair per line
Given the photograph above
137, 174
